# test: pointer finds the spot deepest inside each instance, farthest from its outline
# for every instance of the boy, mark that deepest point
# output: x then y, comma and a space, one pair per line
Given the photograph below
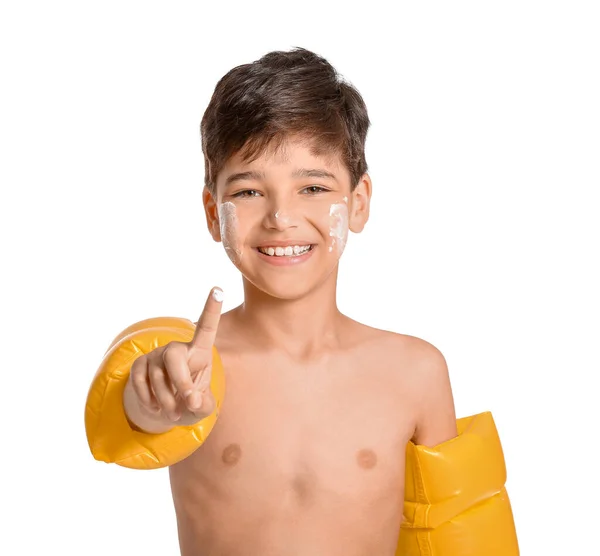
307, 456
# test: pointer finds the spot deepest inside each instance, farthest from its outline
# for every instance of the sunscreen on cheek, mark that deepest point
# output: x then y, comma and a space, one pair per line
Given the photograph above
338, 226
228, 224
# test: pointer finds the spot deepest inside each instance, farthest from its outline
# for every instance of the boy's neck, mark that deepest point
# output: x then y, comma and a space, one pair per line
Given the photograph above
303, 327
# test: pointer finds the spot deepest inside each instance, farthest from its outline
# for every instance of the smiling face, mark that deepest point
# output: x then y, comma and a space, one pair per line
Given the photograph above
284, 217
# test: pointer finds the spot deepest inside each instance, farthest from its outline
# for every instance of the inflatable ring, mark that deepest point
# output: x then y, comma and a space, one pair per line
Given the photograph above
110, 436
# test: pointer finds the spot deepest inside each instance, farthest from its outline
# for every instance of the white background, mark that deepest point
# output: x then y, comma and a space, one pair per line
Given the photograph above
484, 153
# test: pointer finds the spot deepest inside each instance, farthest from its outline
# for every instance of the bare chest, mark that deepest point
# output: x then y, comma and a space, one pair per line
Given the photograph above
327, 434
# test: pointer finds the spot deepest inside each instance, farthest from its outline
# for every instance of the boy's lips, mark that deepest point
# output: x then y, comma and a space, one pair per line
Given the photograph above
287, 259
284, 243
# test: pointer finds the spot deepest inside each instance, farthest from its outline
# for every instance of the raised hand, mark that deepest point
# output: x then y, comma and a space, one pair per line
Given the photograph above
172, 382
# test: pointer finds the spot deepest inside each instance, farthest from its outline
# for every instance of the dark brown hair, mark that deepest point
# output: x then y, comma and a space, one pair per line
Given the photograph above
297, 94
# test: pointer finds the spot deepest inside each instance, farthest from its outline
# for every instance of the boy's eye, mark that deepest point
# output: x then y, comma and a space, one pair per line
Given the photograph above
246, 193
314, 189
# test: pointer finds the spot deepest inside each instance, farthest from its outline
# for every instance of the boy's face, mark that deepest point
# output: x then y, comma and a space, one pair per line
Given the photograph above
284, 217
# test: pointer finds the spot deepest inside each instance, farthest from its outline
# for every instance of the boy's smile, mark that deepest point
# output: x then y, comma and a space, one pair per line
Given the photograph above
281, 253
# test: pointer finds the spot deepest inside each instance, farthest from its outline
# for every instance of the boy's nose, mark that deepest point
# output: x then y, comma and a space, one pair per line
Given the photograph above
280, 218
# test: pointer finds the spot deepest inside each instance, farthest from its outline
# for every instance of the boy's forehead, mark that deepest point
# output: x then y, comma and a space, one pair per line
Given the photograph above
288, 158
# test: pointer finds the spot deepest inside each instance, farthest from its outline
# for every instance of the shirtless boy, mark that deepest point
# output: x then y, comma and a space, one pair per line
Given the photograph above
307, 455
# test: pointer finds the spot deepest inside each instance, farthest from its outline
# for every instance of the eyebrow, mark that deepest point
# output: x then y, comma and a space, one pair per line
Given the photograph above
300, 173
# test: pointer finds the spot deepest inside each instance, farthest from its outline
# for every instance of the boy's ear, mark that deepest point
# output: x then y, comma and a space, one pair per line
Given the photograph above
212, 214
361, 201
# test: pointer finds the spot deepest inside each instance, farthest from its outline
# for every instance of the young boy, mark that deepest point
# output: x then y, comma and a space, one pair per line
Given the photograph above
307, 456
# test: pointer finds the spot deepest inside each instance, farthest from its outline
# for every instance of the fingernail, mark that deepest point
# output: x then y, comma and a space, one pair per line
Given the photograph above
195, 400
187, 393
217, 294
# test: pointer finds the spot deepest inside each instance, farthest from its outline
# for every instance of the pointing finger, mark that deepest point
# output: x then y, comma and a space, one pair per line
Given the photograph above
206, 328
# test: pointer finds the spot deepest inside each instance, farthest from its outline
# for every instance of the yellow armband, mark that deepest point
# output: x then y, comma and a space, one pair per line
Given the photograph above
110, 437
455, 500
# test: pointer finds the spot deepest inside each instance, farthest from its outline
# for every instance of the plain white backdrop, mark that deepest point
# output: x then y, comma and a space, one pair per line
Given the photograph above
484, 153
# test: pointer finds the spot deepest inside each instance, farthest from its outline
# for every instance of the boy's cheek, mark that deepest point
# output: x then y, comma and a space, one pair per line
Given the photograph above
229, 227
338, 227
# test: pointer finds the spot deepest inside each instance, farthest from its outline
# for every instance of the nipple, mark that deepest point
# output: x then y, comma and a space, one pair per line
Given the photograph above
366, 458
231, 454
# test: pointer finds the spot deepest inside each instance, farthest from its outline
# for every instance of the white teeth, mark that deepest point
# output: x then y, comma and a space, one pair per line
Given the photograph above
287, 251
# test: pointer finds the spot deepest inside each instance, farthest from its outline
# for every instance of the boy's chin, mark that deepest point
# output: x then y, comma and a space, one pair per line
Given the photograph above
288, 288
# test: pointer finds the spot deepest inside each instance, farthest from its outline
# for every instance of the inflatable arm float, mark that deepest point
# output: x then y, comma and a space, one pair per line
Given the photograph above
110, 436
455, 501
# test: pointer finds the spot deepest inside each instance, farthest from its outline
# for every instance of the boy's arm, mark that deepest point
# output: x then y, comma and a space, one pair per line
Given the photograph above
435, 421
455, 500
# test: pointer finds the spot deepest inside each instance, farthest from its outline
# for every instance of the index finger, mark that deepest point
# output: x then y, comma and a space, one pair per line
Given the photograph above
206, 327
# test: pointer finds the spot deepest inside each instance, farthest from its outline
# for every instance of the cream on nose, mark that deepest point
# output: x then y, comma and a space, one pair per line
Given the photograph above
282, 217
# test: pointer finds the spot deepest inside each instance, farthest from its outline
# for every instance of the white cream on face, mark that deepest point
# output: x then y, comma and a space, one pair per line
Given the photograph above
228, 225
283, 219
338, 226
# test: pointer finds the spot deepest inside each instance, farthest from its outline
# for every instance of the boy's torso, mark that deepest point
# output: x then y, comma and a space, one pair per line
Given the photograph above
305, 458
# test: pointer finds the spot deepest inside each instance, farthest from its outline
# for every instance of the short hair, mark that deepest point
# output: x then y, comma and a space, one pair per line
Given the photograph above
283, 95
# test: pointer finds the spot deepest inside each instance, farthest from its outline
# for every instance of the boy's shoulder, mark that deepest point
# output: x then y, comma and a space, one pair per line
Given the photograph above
414, 357
411, 350
422, 374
